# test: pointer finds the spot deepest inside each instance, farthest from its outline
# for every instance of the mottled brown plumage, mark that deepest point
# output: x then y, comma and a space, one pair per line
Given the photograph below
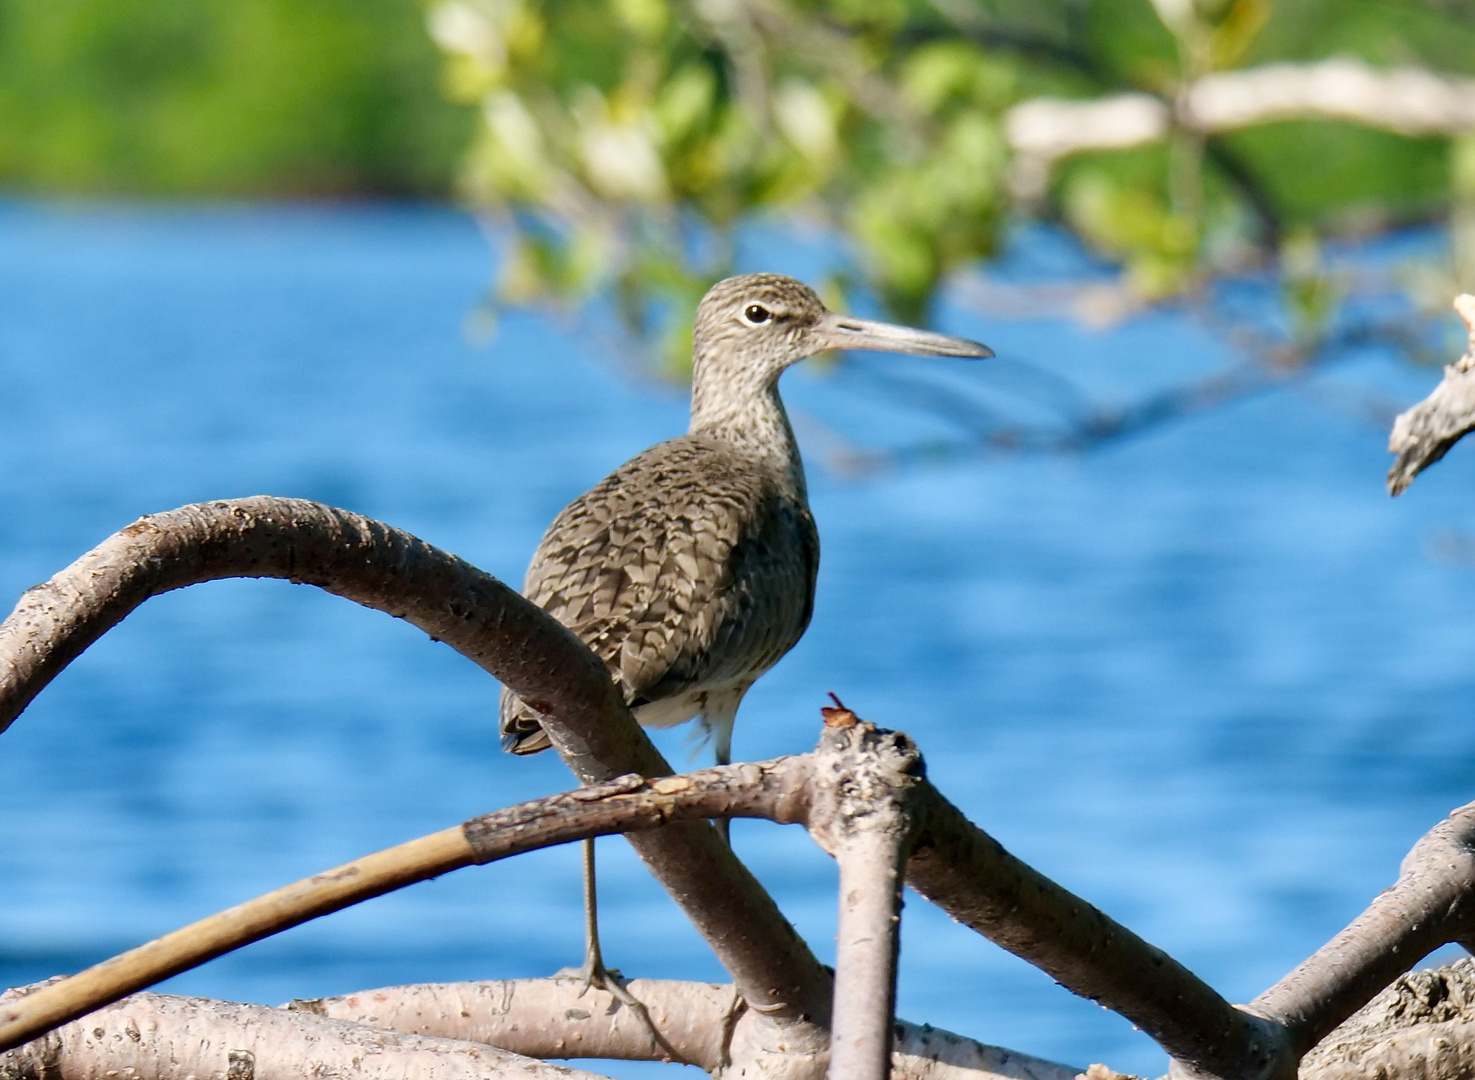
690, 570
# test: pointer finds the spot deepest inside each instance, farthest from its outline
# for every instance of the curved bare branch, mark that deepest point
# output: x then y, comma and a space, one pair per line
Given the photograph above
390, 570
344, 553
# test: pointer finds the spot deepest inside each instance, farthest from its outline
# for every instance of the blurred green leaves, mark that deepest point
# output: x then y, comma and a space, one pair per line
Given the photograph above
217, 97
624, 139
621, 142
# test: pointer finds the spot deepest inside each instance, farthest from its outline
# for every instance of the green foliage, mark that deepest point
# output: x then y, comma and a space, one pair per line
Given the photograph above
623, 139
213, 96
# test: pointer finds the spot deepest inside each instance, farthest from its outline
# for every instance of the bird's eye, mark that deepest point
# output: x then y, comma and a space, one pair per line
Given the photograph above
757, 313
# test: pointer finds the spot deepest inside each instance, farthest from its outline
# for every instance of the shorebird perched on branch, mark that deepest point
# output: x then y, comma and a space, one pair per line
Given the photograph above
690, 569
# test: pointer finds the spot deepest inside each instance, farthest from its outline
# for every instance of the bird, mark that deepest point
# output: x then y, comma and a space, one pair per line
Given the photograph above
690, 570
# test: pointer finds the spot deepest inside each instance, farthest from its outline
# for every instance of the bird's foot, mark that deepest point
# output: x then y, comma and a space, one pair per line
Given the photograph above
596, 976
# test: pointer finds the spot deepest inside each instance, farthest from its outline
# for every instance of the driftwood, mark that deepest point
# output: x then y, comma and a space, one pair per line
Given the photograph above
862, 794
1425, 433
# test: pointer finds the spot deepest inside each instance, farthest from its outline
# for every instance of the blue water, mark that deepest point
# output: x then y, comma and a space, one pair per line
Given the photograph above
1212, 678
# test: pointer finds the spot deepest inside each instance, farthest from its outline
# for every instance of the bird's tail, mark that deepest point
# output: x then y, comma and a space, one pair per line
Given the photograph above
521, 732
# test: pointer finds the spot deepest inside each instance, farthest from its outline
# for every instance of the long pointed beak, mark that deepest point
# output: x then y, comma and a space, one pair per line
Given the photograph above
847, 332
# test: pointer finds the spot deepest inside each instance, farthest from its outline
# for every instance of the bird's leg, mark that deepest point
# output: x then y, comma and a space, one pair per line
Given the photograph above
724, 757
594, 973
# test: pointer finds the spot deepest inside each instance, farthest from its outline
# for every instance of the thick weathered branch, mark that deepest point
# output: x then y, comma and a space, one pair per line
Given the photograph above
964, 871
1424, 434
1407, 101
1431, 904
555, 1018
389, 570
158, 1037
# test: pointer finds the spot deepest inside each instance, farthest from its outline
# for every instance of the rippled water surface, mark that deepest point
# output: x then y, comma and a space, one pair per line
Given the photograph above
1213, 678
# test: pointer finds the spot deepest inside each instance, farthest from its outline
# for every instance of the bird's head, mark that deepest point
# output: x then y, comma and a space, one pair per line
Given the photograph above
756, 325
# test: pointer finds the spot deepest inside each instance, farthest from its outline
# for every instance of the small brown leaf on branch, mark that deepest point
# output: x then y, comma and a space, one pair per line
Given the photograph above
837, 715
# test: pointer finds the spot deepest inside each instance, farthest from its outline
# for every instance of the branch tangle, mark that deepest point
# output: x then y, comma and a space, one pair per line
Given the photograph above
384, 568
856, 772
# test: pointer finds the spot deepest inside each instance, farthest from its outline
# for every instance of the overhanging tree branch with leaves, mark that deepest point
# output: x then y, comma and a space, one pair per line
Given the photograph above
1191, 142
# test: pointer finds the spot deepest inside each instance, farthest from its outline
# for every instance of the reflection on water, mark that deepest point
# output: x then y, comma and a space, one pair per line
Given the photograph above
1212, 679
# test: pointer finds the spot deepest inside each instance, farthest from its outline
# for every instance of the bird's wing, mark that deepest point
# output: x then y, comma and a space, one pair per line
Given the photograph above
686, 568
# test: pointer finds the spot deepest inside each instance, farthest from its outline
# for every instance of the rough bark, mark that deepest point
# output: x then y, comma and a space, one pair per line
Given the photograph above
1424, 434
390, 570
1422, 1027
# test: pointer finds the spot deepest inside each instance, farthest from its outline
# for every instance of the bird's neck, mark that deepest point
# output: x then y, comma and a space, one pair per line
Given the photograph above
752, 419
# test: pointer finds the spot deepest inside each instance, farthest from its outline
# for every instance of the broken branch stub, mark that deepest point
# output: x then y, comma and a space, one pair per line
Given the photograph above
160, 1037
1425, 433
860, 811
